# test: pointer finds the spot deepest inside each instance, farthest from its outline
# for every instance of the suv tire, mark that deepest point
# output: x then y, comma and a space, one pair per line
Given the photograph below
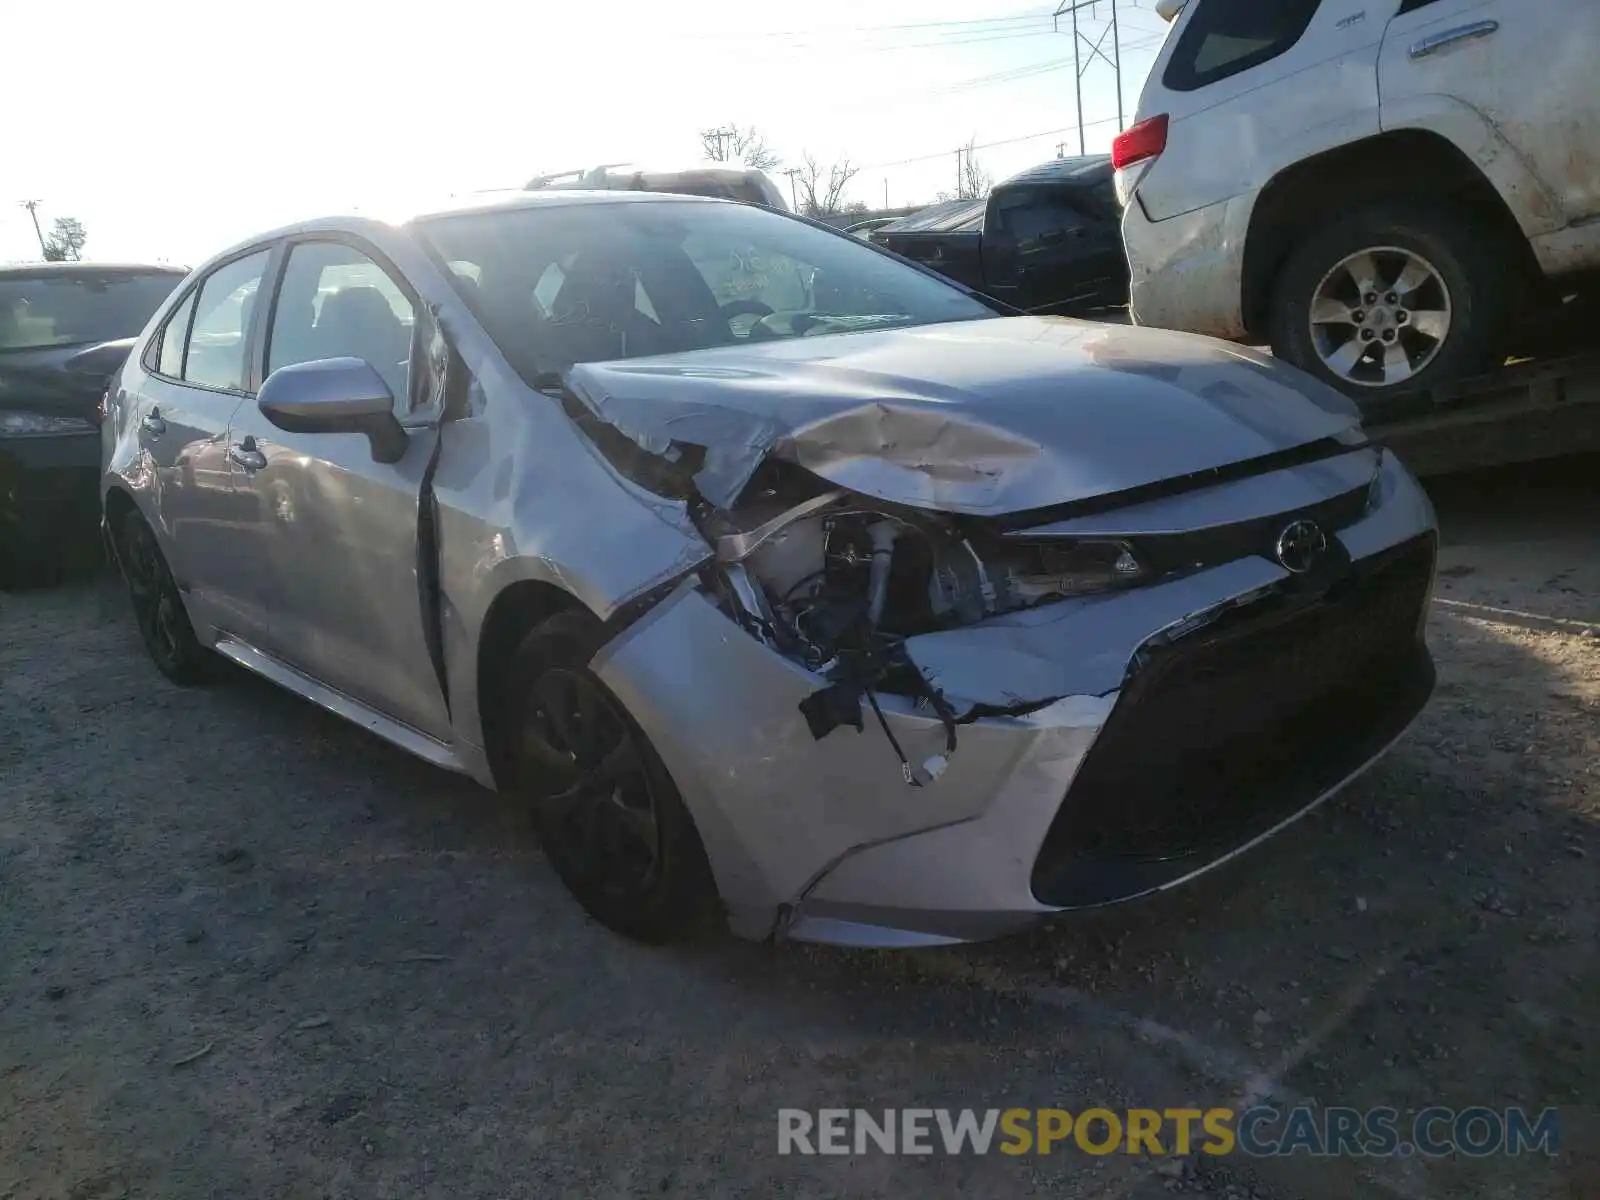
1466, 258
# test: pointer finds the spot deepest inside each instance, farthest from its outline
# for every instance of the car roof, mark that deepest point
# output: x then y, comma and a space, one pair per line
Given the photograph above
50, 270
507, 200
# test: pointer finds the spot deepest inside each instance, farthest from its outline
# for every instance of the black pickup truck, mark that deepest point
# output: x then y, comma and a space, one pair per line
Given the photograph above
1048, 240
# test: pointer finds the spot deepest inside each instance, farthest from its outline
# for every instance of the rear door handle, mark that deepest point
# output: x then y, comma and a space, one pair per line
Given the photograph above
246, 455
1435, 42
153, 424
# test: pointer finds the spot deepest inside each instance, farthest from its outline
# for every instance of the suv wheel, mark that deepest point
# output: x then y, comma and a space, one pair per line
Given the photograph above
1398, 296
608, 814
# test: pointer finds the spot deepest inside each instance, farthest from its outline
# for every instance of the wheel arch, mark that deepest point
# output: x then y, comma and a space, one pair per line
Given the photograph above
1403, 164
116, 503
515, 611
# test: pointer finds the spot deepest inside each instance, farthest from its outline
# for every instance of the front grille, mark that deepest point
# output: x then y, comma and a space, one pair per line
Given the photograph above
1222, 733
1167, 552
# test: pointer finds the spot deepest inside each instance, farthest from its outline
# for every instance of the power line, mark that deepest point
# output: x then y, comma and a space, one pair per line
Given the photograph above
1011, 141
890, 101
1096, 49
890, 47
966, 25
1072, 8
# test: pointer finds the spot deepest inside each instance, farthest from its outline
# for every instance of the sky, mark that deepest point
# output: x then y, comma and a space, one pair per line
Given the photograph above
174, 128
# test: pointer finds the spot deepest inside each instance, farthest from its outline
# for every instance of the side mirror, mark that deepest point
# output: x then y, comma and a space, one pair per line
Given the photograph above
335, 395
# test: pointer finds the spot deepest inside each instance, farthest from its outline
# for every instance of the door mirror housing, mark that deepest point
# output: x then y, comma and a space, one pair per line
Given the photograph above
335, 395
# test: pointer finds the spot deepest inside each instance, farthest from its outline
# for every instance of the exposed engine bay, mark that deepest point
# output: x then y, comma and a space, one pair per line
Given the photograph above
838, 582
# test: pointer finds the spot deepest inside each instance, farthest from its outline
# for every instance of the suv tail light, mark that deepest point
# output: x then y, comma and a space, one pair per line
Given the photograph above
1145, 140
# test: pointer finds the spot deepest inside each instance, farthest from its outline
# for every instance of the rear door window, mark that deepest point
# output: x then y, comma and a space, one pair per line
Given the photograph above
1225, 37
173, 336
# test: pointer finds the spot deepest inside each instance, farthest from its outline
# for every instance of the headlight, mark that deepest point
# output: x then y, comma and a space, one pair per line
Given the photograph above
32, 424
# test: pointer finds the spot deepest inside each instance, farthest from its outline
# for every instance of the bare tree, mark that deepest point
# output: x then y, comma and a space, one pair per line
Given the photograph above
975, 182
731, 143
65, 243
822, 188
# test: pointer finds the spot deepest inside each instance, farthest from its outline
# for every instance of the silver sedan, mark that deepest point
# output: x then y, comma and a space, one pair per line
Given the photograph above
788, 584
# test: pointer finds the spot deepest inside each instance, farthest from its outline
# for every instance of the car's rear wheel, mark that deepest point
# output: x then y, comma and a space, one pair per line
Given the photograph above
1396, 297
163, 621
607, 812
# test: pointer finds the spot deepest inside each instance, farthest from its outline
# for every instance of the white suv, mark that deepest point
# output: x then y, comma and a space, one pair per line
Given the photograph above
1369, 185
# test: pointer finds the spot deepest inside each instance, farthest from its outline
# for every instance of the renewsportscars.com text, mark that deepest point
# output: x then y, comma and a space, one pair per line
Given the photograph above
1262, 1131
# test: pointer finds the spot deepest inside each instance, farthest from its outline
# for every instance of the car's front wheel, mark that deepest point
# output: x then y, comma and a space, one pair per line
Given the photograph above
608, 814
163, 621
1398, 296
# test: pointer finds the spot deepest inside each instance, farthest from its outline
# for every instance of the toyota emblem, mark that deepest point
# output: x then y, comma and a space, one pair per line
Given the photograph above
1300, 545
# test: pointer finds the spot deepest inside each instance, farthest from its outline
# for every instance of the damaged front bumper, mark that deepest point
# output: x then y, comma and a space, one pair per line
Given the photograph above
1188, 720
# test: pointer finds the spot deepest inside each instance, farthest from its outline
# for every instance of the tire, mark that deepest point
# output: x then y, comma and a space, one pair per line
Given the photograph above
1470, 261
631, 858
164, 625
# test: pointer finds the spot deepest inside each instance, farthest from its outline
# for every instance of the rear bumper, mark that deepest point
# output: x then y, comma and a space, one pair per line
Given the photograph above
1187, 272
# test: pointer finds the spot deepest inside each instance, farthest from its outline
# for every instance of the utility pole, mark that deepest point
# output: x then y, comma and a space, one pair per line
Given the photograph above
31, 206
886, 191
722, 135
1061, 149
794, 197
959, 178
1080, 40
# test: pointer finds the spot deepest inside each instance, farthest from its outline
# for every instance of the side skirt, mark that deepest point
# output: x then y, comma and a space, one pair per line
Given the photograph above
390, 730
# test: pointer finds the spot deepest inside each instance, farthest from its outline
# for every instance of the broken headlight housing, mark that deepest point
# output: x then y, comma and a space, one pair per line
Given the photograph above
838, 582
836, 571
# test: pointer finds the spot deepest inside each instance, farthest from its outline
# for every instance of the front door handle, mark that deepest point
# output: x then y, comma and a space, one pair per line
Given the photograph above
153, 424
1435, 42
246, 455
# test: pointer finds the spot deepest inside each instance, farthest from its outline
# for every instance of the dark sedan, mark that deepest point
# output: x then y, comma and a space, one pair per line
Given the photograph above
64, 330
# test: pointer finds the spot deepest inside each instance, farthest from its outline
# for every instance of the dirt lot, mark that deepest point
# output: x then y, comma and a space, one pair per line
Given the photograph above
247, 950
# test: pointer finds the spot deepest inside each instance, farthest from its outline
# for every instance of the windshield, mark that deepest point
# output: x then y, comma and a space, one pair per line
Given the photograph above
78, 307
556, 286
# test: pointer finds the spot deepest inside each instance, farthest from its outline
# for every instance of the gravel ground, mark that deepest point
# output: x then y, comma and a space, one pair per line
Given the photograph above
247, 950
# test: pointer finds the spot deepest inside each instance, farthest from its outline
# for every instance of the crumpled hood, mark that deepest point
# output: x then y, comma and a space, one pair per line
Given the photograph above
982, 417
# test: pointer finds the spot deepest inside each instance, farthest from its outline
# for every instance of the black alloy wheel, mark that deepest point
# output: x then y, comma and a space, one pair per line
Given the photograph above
608, 814
157, 607
598, 803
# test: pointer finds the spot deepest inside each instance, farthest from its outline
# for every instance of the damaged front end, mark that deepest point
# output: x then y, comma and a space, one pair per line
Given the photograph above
839, 583
1051, 673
